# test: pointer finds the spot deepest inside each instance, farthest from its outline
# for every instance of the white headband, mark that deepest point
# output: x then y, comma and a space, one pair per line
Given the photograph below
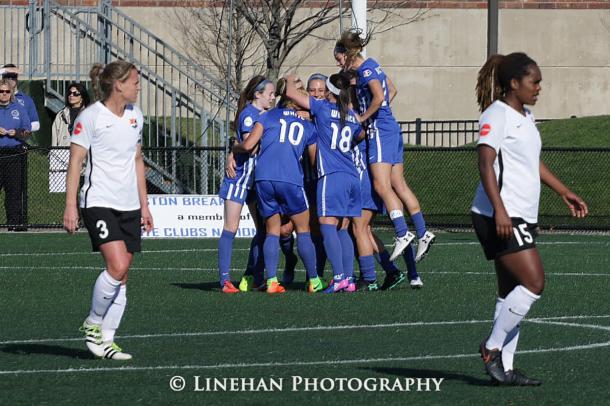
332, 88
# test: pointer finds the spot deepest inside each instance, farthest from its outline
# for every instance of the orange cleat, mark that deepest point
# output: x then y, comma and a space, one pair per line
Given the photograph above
275, 287
229, 288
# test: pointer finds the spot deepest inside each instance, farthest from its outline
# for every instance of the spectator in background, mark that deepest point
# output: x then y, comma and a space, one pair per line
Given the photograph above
77, 99
11, 73
15, 127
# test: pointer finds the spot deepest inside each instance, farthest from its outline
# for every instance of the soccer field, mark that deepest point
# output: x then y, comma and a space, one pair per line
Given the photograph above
178, 324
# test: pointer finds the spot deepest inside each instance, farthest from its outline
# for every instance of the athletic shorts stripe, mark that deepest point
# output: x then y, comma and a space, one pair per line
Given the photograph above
324, 196
377, 140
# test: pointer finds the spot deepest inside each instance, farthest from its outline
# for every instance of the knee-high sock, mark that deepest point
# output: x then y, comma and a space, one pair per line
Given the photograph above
272, 254
332, 245
383, 258
400, 225
307, 252
252, 255
105, 290
225, 251
516, 305
347, 252
409, 257
512, 338
256, 258
287, 246
367, 268
318, 242
112, 319
419, 223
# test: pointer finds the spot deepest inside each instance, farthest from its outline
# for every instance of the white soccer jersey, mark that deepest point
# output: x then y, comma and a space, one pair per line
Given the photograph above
517, 166
111, 142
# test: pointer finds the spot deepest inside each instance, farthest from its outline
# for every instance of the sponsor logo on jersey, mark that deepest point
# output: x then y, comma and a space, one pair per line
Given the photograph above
133, 123
485, 129
248, 121
78, 128
367, 73
15, 114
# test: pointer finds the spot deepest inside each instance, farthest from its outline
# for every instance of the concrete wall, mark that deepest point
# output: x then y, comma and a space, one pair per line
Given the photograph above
434, 61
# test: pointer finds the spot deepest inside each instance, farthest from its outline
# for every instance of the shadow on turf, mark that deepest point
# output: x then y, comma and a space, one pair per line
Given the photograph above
29, 349
431, 373
213, 286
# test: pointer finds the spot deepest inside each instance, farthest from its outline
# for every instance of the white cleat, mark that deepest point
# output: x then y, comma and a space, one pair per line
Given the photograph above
93, 338
400, 244
114, 352
423, 246
416, 283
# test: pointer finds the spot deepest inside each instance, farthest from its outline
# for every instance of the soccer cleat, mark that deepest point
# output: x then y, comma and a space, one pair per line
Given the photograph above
493, 363
416, 283
229, 288
367, 286
351, 288
400, 244
337, 286
93, 338
113, 351
423, 245
275, 287
517, 378
392, 280
246, 283
316, 285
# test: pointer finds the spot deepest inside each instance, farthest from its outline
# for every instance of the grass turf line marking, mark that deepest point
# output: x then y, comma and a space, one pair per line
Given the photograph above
310, 328
33, 254
296, 363
71, 267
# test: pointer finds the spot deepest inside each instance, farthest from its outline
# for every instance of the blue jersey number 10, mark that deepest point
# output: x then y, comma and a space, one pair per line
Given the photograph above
295, 132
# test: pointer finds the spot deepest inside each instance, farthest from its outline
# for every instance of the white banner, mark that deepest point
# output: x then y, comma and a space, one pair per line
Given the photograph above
193, 216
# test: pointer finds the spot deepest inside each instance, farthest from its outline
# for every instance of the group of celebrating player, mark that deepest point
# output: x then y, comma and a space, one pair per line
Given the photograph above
358, 160
359, 173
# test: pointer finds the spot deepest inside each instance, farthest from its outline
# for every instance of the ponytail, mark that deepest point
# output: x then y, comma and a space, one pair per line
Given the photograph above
247, 96
340, 82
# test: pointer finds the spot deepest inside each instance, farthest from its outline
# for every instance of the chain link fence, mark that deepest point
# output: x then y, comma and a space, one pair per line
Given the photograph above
444, 180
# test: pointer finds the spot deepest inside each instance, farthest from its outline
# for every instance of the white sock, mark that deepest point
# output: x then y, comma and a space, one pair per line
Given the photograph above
394, 214
515, 307
105, 290
510, 343
113, 316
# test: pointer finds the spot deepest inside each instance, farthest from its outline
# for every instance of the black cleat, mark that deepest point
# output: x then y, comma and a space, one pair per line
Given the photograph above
517, 378
493, 363
392, 280
366, 286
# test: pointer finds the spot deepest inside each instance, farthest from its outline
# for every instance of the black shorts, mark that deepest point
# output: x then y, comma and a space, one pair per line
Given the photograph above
524, 236
105, 225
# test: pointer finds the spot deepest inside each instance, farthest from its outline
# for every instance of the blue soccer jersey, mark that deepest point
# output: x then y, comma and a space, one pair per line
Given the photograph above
285, 136
368, 71
13, 117
236, 189
334, 146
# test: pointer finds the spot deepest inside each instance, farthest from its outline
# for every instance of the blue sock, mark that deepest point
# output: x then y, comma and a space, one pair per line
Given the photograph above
409, 257
318, 242
272, 254
367, 268
252, 256
225, 249
383, 258
400, 225
419, 223
347, 251
307, 253
287, 246
332, 245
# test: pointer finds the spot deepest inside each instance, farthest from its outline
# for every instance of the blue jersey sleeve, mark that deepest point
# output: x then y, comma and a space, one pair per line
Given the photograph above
369, 72
246, 122
315, 106
31, 109
26, 121
312, 135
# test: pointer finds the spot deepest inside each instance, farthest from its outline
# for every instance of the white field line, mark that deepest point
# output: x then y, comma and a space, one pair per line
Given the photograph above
546, 320
98, 268
311, 328
290, 364
34, 254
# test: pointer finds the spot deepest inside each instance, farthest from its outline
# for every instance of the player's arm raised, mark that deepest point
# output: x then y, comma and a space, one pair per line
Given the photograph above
292, 92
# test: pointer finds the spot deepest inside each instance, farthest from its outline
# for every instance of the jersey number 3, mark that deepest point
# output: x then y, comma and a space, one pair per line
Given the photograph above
101, 225
295, 132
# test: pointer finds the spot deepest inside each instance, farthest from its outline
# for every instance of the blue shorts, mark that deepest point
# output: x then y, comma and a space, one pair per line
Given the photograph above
339, 195
384, 143
370, 198
280, 197
232, 190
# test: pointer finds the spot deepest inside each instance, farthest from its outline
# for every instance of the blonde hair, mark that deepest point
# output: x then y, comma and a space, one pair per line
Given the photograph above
351, 44
9, 84
103, 77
